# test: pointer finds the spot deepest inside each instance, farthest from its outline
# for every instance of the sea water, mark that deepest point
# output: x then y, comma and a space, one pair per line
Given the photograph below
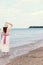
22, 36
30, 38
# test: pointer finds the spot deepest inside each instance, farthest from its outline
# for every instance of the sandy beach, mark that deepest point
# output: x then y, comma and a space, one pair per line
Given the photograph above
29, 54
34, 57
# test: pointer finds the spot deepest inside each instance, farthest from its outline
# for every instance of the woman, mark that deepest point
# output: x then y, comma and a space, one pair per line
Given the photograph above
5, 38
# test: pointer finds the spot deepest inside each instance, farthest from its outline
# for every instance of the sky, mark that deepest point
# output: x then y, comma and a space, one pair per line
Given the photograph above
21, 13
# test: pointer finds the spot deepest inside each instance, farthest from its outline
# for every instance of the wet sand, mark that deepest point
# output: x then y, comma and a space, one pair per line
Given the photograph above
34, 57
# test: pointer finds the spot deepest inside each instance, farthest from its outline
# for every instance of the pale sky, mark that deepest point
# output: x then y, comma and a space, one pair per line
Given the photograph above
21, 13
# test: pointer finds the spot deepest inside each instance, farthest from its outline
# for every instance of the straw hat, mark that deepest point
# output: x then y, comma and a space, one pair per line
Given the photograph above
5, 24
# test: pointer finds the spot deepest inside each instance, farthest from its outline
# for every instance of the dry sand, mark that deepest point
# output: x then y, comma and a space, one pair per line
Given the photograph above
34, 57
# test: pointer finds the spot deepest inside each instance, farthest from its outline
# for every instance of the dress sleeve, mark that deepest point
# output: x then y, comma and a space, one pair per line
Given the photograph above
1, 30
9, 27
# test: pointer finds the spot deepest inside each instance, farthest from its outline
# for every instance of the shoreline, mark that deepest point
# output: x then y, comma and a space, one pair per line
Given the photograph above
19, 51
34, 57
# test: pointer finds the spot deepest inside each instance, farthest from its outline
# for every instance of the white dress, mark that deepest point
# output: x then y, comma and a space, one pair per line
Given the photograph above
5, 47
